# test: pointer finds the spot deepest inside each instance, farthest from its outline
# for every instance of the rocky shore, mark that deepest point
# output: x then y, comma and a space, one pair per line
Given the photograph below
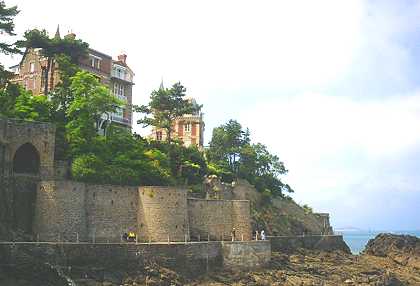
387, 260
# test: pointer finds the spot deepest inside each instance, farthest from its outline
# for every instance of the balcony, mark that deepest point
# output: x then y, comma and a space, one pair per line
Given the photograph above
123, 75
121, 120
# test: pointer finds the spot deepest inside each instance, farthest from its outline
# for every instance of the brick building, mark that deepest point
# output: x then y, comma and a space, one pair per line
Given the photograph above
188, 128
114, 73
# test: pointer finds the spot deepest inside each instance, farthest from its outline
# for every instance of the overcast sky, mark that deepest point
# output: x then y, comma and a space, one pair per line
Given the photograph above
332, 87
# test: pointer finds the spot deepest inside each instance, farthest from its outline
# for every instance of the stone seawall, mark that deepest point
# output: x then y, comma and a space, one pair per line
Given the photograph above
191, 259
313, 242
246, 255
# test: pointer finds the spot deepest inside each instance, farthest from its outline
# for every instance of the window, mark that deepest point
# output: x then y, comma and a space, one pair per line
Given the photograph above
119, 90
119, 112
95, 62
32, 67
159, 135
187, 127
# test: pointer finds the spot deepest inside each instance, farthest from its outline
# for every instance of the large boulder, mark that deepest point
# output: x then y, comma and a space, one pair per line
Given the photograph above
403, 249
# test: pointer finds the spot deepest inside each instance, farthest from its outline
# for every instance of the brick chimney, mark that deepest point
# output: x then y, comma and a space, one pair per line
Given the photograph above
122, 58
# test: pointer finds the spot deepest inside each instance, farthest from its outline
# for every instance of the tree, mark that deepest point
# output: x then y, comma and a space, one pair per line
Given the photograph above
7, 26
164, 107
16, 102
231, 156
92, 100
226, 143
51, 48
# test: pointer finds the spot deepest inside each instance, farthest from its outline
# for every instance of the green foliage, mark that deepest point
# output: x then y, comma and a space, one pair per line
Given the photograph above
54, 49
187, 164
231, 153
92, 100
307, 209
226, 144
7, 15
122, 159
16, 102
164, 107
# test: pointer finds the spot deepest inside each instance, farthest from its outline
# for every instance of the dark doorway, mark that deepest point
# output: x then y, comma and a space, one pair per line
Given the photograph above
26, 160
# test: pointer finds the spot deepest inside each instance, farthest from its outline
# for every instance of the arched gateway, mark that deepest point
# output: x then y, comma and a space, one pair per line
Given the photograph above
26, 157
26, 148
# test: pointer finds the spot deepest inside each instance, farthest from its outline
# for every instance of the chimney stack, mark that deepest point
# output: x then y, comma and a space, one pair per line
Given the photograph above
122, 58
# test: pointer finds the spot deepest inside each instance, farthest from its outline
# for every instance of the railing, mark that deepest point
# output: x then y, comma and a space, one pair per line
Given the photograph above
124, 76
120, 119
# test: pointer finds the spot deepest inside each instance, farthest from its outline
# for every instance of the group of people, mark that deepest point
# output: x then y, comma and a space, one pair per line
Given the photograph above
130, 236
261, 235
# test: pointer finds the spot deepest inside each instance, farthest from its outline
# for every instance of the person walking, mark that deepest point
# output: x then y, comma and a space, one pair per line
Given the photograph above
233, 234
262, 235
256, 234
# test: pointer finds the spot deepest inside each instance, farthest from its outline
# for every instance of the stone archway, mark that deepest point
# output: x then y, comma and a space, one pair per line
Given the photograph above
26, 160
26, 174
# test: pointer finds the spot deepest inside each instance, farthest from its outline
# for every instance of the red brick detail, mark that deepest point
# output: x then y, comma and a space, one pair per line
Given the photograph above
194, 129
180, 129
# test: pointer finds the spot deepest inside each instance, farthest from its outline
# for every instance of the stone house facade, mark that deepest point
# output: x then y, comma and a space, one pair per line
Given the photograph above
115, 74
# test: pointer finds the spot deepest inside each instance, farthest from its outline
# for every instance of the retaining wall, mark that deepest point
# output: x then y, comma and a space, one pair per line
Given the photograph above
217, 219
191, 259
246, 255
110, 211
60, 211
162, 214
72, 211
314, 242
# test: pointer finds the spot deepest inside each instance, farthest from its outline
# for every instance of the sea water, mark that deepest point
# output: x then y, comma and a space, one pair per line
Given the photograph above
357, 240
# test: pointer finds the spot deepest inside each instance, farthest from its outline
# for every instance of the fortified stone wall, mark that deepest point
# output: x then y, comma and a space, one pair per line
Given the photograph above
110, 211
60, 211
162, 214
241, 219
15, 133
217, 219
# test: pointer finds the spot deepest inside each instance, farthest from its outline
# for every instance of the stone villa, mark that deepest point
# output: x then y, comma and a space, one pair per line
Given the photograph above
114, 73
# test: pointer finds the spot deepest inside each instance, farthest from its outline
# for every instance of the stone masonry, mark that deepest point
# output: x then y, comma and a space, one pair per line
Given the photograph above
71, 211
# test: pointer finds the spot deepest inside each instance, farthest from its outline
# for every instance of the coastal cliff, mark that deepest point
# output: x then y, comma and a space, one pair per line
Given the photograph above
276, 215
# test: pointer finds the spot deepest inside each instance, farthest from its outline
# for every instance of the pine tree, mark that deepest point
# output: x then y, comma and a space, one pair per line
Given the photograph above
7, 26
